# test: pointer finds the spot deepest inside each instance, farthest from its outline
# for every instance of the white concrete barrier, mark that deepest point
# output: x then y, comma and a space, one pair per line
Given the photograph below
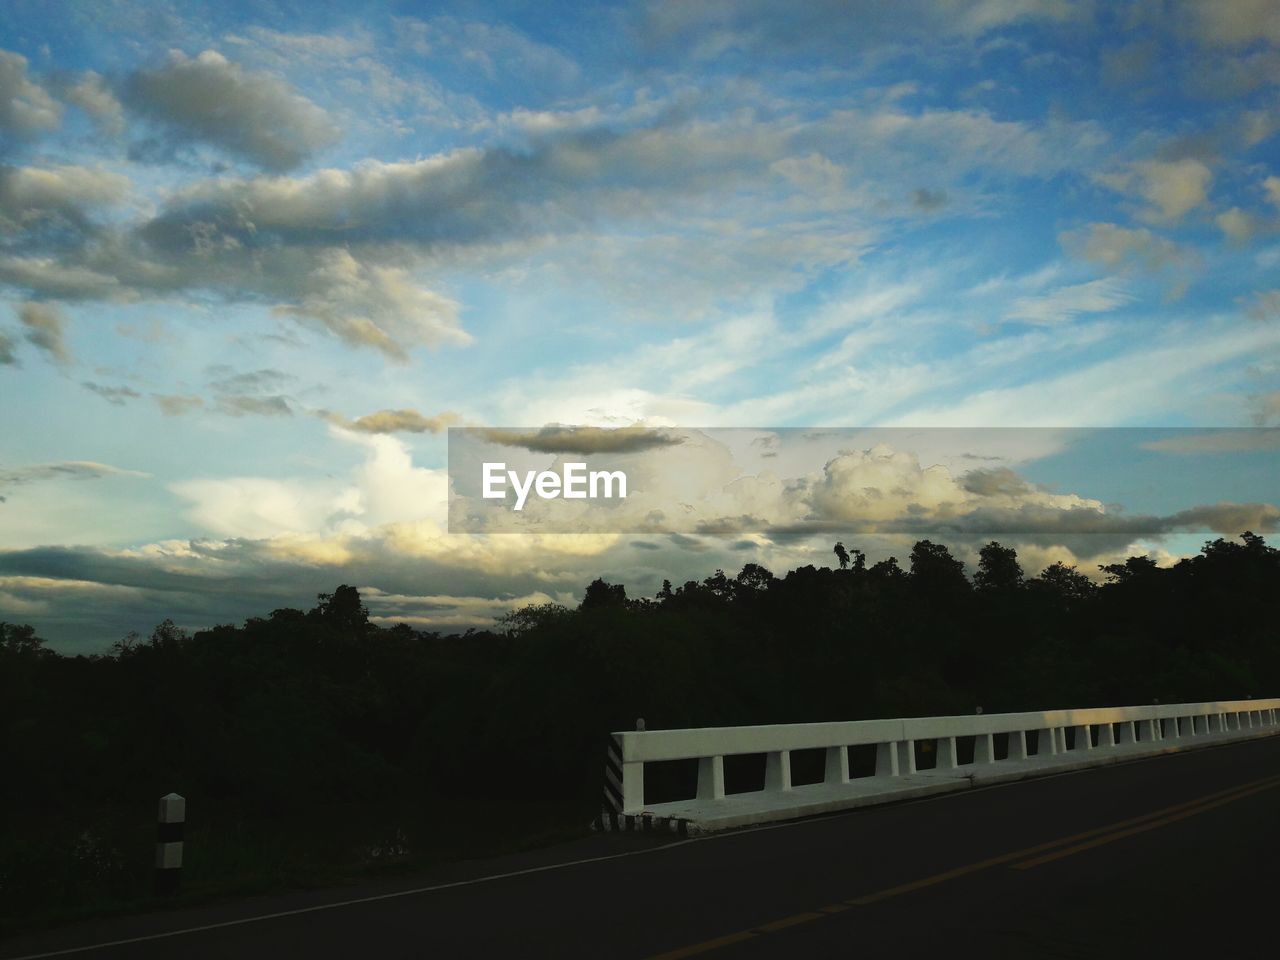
1001, 751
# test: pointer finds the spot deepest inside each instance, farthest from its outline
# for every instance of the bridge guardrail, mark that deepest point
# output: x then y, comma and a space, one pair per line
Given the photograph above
1099, 735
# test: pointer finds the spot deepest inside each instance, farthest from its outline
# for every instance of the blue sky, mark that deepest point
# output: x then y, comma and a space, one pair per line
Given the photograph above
255, 257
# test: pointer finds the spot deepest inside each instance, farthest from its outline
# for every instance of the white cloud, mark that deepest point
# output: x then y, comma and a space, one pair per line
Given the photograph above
1066, 303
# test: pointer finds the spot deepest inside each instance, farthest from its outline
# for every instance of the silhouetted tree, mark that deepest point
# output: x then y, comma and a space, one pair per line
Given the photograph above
842, 555
1064, 582
342, 610
1134, 569
998, 568
601, 594
20, 640
752, 578
935, 571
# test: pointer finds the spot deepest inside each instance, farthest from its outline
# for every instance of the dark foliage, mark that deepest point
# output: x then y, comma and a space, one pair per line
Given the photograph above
315, 710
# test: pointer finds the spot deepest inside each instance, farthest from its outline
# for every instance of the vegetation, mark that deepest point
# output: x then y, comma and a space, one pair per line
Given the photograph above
314, 746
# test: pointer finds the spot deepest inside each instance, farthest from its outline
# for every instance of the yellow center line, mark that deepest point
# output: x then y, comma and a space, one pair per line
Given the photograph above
789, 922
706, 946
1074, 838
1094, 837
1120, 834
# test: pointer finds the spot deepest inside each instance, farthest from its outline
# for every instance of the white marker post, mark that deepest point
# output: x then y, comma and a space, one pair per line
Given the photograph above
173, 816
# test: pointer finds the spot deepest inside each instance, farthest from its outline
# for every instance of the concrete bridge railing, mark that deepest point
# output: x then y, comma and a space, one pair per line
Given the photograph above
1029, 744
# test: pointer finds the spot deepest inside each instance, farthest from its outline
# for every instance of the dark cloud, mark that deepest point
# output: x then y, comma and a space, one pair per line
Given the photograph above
252, 381
62, 470
253, 115
46, 328
246, 394
582, 440
929, 200
7, 356
236, 405
176, 405
116, 395
25, 106
1048, 523
995, 481
1220, 441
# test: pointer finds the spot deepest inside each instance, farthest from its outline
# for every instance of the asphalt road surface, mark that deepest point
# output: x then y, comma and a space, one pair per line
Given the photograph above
1174, 856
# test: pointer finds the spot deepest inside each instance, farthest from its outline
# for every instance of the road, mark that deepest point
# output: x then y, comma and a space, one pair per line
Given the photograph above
1176, 854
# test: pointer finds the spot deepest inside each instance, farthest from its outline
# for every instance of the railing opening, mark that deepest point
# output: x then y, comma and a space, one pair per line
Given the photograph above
965, 747
926, 754
862, 761
808, 766
1000, 745
744, 773
669, 780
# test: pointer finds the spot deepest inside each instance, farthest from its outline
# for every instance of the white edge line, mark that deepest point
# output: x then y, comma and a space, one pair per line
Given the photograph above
358, 900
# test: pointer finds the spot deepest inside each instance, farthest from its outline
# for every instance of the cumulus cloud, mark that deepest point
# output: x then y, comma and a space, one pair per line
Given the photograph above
395, 421
25, 106
254, 115
1066, 303
699, 487
387, 488
46, 329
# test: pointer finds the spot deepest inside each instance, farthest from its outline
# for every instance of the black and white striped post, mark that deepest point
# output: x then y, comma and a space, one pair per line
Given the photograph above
611, 809
173, 815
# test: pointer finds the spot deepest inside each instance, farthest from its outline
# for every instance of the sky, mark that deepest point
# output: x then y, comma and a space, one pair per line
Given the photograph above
257, 258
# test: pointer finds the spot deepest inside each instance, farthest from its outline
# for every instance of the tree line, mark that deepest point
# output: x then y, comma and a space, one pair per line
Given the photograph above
323, 710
